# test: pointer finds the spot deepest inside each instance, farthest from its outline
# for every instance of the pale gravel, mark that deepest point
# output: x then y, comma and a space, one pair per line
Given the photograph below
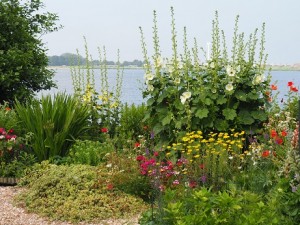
13, 215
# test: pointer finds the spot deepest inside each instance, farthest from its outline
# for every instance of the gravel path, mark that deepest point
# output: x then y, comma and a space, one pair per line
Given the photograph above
12, 215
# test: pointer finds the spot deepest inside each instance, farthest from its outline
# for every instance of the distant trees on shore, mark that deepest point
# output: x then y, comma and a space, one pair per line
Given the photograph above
67, 58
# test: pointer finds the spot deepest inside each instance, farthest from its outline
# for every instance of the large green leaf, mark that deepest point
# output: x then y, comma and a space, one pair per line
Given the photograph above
202, 113
259, 115
230, 114
241, 95
245, 117
167, 119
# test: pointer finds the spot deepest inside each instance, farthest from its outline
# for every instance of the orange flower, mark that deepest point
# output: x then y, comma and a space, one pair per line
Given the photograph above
7, 108
273, 133
267, 93
273, 87
283, 133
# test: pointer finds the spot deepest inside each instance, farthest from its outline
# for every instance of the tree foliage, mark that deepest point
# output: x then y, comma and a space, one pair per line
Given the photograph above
23, 59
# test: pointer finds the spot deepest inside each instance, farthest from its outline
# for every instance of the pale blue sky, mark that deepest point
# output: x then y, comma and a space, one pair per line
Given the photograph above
115, 24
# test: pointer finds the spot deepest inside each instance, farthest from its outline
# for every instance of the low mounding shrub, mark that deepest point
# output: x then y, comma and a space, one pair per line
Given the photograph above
75, 193
202, 206
54, 123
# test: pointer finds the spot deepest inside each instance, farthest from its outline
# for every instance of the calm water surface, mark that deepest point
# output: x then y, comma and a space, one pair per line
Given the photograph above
133, 82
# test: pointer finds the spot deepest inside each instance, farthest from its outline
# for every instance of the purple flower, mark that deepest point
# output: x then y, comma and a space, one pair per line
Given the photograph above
203, 179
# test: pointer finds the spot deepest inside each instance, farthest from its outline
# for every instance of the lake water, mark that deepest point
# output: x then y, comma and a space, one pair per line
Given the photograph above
133, 82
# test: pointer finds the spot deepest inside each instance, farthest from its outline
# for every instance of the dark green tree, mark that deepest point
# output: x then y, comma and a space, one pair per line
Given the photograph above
23, 59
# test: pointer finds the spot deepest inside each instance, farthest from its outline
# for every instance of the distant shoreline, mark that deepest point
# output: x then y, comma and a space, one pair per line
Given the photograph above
273, 68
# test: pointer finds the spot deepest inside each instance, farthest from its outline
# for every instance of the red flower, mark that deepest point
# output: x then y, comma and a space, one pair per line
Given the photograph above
11, 131
273, 87
273, 133
266, 153
279, 141
140, 158
137, 144
104, 130
192, 184
290, 83
283, 133
293, 88
110, 187
201, 166
155, 153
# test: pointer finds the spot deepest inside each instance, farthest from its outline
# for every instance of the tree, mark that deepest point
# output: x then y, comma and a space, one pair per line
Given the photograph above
23, 59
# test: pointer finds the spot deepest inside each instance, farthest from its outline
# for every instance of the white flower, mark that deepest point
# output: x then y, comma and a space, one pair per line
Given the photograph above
149, 76
150, 87
159, 61
229, 87
185, 95
177, 80
230, 71
170, 69
258, 78
180, 65
212, 65
230, 157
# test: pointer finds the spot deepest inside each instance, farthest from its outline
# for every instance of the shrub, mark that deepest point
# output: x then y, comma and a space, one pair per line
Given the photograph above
206, 207
223, 93
75, 193
89, 152
54, 123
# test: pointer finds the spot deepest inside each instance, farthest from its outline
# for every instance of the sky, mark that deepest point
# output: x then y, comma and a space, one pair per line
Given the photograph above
115, 25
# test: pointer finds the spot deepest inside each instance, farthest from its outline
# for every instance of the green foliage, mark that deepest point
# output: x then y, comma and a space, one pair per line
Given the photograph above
131, 125
220, 94
17, 166
23, 59
89, 152
75, 193
206, 207
54, 123
104, 105
8, 118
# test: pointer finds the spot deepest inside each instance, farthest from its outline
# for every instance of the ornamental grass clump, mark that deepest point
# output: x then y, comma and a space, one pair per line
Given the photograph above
222, 92
54, 123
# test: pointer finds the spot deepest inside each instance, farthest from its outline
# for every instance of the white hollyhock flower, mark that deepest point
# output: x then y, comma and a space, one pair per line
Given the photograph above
258, 78
229, 87
150, 87
230, 71
159, 61
185, 95
177, 80
149, 76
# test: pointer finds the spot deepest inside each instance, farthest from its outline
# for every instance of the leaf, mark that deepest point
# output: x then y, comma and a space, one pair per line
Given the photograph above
241, 95
259, 115
253, 95
221, 125
221, 100
245, 117
167, 119
208, 101
202, 113
229, 114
